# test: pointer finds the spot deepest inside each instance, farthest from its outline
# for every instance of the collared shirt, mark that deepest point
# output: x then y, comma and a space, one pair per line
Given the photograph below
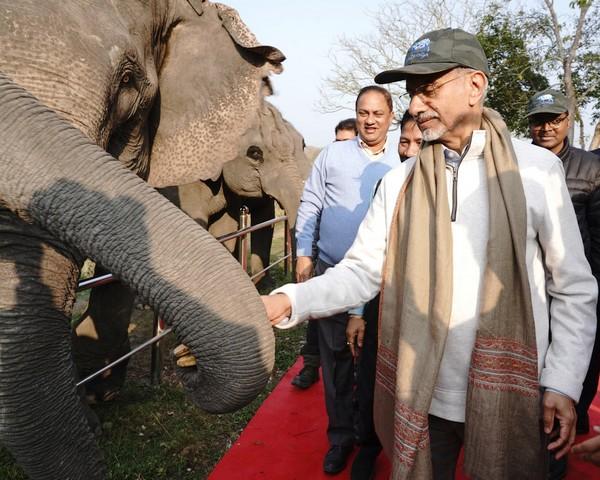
370, 153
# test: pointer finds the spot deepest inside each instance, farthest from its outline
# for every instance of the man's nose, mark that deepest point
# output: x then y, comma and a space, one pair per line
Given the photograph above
413, 149
416, 106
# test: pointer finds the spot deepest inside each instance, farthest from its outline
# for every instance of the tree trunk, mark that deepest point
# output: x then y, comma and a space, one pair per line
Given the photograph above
581, 133
595, 143
571, 96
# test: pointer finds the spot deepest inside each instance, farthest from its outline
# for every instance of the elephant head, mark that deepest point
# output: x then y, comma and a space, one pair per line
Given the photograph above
210, 84
208, 101
270, 162
269, 166
98, 65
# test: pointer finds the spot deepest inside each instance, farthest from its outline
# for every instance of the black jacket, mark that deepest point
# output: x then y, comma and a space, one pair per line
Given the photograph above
582, 173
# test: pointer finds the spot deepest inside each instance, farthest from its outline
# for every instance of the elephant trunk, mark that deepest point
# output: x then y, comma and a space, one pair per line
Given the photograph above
56, 178
285, 186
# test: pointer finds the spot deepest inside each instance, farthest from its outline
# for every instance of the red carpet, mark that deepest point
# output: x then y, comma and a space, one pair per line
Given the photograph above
286, 440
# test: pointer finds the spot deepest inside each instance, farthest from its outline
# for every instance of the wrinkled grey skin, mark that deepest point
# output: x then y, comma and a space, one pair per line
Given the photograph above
62, 197
270, 166
210, 97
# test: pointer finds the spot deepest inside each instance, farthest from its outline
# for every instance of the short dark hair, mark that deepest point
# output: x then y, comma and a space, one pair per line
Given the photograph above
375, 88
407, 117
348, 124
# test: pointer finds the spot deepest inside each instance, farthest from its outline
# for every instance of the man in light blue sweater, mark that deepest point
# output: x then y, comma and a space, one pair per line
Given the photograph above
335, 200
309, 374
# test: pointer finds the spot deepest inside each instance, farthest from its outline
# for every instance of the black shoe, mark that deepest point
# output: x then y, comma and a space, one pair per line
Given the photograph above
307, 376
336, 458
363, 467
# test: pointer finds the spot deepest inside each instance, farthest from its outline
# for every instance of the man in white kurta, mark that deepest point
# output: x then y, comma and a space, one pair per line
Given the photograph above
447, 105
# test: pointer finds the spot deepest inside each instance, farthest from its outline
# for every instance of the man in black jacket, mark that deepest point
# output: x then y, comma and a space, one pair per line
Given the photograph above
549, 122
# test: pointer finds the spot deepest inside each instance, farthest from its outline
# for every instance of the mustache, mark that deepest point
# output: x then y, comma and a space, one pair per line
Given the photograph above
425, 116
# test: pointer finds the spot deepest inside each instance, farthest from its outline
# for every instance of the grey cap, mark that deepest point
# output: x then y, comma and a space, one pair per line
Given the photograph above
437, 52
548, 101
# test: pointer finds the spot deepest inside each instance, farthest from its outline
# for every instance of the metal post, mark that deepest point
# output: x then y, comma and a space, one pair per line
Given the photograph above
287, 247
137, 349
156, 353
243, 245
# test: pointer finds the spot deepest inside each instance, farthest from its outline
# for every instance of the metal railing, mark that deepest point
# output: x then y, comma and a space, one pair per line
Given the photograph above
158, 329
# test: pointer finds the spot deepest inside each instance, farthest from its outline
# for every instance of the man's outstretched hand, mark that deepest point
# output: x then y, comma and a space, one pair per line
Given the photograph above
278, 307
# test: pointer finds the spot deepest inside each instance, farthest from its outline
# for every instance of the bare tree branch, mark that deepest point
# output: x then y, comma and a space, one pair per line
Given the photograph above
355, 61
567, 55
568, 51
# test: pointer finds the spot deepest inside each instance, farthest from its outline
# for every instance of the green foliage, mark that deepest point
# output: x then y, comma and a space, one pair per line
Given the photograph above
515, 73
580, 3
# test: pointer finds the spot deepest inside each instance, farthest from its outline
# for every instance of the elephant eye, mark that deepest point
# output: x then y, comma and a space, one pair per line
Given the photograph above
255, 153
125, 79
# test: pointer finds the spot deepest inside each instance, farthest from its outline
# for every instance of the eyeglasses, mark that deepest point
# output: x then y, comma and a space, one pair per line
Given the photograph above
430, 90
554, 123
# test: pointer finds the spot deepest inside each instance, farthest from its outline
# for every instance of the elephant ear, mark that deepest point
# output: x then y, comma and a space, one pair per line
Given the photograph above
243, 36
274, 132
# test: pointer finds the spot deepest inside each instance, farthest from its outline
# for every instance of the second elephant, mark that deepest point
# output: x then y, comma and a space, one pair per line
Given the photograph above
270, 167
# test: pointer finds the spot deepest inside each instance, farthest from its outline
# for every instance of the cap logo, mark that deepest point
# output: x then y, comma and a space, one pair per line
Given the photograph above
546, 99
418, 50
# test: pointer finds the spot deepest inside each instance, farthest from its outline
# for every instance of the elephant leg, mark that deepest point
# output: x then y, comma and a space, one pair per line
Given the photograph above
43, 422
261, 241
102, 336
223, 223
194, 199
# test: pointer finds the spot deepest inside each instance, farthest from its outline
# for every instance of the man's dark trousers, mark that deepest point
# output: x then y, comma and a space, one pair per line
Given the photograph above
311, 346
365, 383
590, 384
338, 374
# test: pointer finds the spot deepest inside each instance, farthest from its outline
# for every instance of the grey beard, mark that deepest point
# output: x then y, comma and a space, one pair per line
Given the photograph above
432, 134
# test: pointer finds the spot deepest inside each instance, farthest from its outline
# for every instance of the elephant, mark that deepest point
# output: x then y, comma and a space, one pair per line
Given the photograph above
88, 93
181, 153
277, 173
270, 166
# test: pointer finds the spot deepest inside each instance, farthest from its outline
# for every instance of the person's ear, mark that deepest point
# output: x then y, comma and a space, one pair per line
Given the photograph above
478, 83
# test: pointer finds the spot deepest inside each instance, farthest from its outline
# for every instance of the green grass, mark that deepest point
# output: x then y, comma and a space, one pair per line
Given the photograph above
155, 432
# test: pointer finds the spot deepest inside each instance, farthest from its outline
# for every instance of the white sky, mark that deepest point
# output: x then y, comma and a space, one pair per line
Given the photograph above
306, 31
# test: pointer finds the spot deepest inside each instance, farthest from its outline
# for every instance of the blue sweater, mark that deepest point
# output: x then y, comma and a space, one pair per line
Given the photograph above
337, 196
